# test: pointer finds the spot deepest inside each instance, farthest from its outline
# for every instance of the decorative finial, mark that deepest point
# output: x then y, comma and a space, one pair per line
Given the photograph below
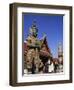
44, 35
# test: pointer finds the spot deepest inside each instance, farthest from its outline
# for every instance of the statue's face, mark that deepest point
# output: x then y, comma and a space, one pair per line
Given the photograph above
34, 33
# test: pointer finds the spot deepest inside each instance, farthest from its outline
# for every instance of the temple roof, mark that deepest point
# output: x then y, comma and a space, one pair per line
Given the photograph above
44, 50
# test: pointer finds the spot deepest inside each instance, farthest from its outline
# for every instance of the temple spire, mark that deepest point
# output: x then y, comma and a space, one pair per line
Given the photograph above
33, 29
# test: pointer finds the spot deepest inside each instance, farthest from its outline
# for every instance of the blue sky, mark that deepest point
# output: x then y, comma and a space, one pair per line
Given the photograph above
51, 25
